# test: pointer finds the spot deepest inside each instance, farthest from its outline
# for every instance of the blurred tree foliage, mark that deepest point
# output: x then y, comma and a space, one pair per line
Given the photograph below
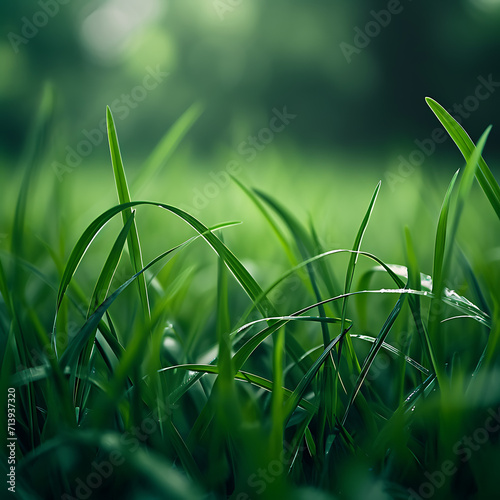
242, 58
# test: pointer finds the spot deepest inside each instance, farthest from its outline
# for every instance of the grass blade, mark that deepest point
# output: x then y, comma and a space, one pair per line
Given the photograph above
134, 245
415, 282
293, 401
373, 352
465, 186
101, 288
352, 265
439, 248
167, 146
81, 338
242, 376
484, 176
276, 229
442, 265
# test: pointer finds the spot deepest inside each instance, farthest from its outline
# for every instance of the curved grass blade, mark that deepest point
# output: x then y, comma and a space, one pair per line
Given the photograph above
101, 288
484, 176
249, 347
306, 245
241, 356
467, 180
385, 267
449, 297
242, 376
99, 294
442, 266
93, 230
83, 335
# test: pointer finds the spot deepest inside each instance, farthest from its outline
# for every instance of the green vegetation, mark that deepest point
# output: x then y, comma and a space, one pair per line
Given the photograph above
183, 376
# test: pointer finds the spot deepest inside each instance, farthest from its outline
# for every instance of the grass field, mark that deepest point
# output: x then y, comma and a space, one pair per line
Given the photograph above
290, 331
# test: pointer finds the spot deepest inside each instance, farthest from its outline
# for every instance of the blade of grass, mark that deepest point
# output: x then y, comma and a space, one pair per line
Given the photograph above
167, 146
306, 246
435, 345
293, 402
484, 176
415, 282
242, 376
442, 262
449, 297
373, 352
33, 155
394, 350
276, 229
103, 283
465, 186
350, 274
223, 331
133, 242
85, 240
100, 292
440, 244
277, 427
226, 398
81, 338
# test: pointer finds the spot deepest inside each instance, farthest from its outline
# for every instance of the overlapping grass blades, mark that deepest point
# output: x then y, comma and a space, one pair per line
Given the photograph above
134, 246
460, 137
251, 402
442, 261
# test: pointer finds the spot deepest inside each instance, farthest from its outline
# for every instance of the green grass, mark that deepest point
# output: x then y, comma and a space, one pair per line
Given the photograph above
181, 375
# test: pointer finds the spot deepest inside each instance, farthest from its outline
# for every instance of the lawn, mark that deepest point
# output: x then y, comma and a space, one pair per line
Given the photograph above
172, 331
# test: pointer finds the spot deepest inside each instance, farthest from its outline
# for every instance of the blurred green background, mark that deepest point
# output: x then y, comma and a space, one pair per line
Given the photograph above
358, 108
243, 58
